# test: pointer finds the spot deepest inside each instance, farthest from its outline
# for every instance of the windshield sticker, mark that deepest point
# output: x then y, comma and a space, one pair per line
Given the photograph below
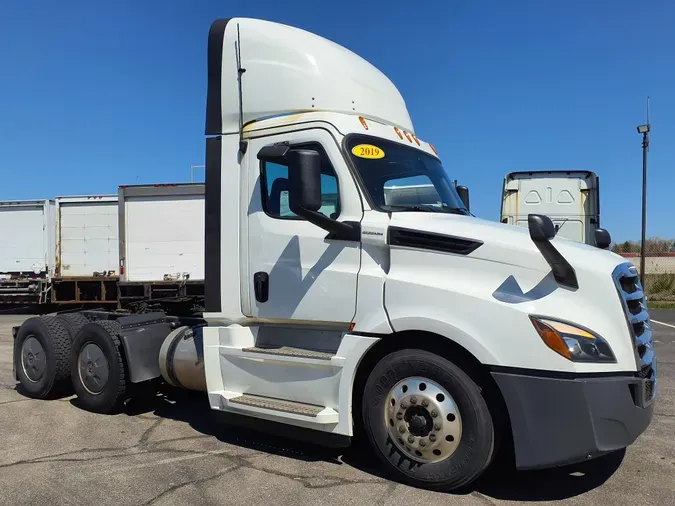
367, 151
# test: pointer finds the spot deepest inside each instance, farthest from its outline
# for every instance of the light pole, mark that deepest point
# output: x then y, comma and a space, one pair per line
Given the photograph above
644, 130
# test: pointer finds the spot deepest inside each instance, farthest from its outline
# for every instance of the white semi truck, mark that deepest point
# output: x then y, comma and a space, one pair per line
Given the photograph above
571, 198
432, 334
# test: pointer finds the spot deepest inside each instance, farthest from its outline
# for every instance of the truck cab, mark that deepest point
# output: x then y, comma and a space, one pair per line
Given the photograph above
571, 198
332, 306
347, 308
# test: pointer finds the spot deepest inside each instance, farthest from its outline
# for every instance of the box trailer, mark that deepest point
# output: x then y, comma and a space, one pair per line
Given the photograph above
87, 250
569, 197
26, 251
161, 241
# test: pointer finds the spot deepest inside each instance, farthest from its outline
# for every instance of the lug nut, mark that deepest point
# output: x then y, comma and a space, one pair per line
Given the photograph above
423, 442
403, 405
434, 414
432, 438
401, 429
425, 403
411, 439
413, 400
399, 416
437, 426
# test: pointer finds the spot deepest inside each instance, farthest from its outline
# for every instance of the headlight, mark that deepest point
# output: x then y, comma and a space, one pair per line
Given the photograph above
574, 343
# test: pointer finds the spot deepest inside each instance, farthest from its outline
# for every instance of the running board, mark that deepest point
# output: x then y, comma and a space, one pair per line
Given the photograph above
279, 408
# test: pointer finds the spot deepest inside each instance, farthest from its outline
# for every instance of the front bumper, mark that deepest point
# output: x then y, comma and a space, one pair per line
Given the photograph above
558, 421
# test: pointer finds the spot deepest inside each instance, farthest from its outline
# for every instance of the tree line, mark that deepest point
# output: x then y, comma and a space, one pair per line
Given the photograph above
652, 245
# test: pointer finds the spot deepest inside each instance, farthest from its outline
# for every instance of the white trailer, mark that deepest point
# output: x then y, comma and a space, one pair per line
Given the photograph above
87, 250
161, 241
87, 241
437, 334
27, 256
569, 197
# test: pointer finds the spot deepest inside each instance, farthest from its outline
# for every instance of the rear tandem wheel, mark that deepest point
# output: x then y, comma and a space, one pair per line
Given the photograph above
98, 369
41, 357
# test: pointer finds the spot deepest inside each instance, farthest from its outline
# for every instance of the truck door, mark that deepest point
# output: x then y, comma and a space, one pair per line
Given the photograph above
295, 272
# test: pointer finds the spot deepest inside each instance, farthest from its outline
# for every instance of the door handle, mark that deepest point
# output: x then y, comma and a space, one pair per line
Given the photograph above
261, 285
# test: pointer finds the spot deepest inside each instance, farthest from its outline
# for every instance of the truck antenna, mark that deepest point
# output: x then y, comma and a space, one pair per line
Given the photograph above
240, 72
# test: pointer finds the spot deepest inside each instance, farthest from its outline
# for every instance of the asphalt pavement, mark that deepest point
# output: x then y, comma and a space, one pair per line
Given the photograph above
173, 450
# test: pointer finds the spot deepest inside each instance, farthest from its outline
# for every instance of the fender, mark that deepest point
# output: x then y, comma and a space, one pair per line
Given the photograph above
142, 338
445, 329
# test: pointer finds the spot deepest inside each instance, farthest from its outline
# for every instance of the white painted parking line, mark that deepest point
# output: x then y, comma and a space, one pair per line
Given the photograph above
666, 324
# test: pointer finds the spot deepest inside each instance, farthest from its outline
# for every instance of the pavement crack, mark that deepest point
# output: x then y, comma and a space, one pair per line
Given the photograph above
665, 414
14, 401
198, 481
388, 493
143, 441
69, 456
308, 482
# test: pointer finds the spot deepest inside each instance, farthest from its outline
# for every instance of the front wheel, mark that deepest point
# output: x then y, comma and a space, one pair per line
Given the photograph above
427, 420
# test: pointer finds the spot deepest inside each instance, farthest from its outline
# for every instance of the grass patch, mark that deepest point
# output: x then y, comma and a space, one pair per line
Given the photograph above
661, 304
660, 287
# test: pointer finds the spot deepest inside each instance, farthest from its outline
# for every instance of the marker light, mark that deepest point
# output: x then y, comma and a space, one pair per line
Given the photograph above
572, 342
400, 135
363, 122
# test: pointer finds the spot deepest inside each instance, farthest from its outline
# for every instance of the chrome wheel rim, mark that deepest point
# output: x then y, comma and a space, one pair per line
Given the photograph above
423, 420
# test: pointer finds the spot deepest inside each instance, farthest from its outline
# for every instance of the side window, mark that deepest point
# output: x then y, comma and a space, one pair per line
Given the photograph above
274, 188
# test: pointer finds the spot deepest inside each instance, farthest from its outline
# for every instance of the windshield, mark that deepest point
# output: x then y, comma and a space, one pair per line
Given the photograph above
402, 178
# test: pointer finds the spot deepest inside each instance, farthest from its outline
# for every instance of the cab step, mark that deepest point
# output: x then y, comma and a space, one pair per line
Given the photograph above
280, 408
285, 354
288, 351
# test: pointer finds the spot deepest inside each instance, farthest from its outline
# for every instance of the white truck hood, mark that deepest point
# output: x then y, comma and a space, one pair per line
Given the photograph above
507, 244
506, 278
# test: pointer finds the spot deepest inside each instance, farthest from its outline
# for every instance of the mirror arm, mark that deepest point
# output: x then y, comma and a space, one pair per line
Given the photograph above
337, 230
541, 233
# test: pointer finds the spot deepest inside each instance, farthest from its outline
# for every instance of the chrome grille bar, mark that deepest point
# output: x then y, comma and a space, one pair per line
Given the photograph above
639, 325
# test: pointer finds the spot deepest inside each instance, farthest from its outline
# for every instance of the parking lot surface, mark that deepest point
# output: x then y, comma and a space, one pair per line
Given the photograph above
172, 449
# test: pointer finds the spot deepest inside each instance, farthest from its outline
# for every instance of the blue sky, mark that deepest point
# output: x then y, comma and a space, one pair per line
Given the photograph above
496, 86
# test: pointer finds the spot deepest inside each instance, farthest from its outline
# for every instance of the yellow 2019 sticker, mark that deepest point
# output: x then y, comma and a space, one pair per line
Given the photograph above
367, 151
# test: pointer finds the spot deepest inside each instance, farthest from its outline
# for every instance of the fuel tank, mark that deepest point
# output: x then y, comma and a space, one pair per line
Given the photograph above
181, 359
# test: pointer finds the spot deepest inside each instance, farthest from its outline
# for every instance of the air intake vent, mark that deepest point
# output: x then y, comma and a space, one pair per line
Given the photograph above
428, 240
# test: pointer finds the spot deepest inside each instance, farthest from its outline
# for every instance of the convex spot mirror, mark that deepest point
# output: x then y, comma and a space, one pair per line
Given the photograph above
602, 238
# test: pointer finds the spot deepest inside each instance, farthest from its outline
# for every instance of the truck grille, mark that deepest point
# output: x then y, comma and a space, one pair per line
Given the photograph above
632, 297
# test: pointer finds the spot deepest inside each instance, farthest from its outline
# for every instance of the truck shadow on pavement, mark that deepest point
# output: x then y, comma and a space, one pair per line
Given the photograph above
501, 481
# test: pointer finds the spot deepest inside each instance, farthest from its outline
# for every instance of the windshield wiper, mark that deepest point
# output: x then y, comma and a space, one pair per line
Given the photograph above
414, 208
455, 210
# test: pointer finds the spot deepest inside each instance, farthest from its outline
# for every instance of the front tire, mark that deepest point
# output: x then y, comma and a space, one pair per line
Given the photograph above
427, 420
98, 370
